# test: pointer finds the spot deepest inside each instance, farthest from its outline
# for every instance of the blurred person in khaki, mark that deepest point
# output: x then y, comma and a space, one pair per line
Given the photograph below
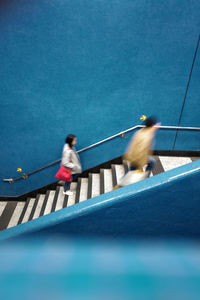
140, 148
139, 152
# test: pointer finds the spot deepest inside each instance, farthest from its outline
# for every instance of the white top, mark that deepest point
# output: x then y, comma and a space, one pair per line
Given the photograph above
70, 159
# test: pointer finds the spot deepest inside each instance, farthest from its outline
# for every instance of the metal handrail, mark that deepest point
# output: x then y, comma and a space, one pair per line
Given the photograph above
122, 134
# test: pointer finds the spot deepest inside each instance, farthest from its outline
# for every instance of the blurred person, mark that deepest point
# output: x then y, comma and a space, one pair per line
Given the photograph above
70, 159
139, 152
140, 148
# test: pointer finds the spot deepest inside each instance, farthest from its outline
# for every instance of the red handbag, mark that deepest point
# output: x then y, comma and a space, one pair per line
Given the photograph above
64, 174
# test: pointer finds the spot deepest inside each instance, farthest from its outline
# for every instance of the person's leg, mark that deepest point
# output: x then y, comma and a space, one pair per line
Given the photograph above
67, 186
130, 168
150, 165
75, 176
133, 168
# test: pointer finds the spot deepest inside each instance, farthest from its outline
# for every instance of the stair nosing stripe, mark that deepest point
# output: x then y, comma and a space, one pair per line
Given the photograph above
65, 202
114, 175
78, 190
102, 185
7, 214
194, 158
23, 211
89, 194
44, 203
34, 207
158, 167
55, 199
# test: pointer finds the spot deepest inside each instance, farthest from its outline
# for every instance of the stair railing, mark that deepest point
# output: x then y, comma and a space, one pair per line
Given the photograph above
120, 134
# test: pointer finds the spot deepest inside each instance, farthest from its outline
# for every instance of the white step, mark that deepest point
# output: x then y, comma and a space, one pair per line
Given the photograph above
2, 206
71, 199
28, 210
95, 185
168, 163
60, 199
73, 186
16, 214
119, 172
38, 207
83, 189
171, 162
108, 182
49, 202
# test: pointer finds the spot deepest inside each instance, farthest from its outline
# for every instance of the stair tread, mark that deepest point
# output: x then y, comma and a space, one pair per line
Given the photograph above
83, 189
49, 203
28, 210
60, 199
16, 214
53, 208
71, 198
171, 162
7, 214
108, 183
95, 185
39, 206
2, 206
120, 171
34, 207
13, 213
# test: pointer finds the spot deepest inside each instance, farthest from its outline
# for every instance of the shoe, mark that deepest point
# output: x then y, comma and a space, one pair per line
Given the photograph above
116, 187
68, 193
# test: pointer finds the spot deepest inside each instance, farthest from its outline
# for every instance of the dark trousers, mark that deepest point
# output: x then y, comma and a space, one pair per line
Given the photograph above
150, 165
67, 184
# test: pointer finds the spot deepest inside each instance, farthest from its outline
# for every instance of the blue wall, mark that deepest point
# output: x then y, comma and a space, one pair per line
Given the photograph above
91, 68
191, 109
163, 206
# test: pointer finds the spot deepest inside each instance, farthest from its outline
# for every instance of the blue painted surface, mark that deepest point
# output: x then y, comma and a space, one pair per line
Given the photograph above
191, 112
90, 68
67, 269
46, 260
163, 206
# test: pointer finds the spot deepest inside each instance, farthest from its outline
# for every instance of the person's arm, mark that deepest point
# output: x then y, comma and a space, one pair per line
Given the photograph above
67, 156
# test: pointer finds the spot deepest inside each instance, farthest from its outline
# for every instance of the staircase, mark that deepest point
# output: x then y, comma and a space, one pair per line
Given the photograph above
13, 213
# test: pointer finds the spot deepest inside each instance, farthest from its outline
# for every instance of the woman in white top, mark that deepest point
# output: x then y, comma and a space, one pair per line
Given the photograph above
70, 159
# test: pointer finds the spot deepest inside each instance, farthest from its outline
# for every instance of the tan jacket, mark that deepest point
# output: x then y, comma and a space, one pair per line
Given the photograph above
139, 147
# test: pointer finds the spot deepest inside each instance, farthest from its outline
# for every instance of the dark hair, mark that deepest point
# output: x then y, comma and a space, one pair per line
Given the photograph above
150, 121
69, 139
